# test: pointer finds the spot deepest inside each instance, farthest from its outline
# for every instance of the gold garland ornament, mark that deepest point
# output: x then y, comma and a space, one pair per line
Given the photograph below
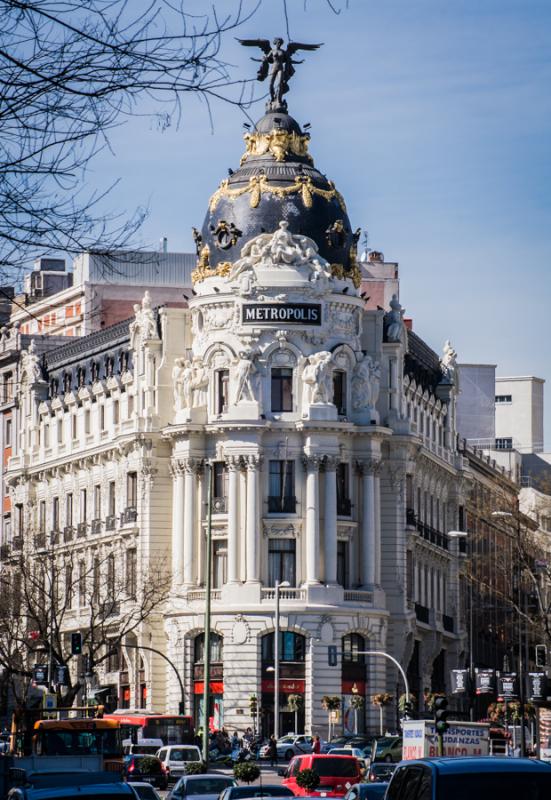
258, 185
279, 143
354, 273
204, 270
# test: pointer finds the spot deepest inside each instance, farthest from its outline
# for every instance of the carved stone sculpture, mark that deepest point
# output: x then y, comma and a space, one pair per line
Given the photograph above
243, 378
144, 325
395, 320
317, 378
366, 385
30, 364
182, 376
199, 382
448, 362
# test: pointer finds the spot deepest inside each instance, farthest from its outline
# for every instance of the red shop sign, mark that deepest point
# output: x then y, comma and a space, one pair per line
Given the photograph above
216, 687
285, 685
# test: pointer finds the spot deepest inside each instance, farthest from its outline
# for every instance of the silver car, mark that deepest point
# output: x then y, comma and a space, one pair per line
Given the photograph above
289, 746
202, 787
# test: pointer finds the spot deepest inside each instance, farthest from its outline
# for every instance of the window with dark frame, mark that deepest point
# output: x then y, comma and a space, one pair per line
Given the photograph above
131, 573
342, 564
504, 443
69, 510
112, 499
97, 501
282, 389
339, 391
282, 561
219, 563
344, 506
222, 390
219, 480
55, 513
83, 511
42, 517
132, 490
281, 497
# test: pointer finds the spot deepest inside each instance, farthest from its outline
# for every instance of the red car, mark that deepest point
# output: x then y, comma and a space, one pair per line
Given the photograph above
337, 774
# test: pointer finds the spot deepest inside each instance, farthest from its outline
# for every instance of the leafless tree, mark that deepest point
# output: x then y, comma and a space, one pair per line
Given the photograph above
45, 598
70, 71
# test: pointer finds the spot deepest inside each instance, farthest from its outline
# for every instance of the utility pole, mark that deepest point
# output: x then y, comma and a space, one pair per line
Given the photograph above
206, 644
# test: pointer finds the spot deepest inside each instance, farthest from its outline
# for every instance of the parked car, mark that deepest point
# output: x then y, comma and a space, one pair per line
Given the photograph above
337, 773
175, 757
205, 787
264, 790
338, 741
145, 791
145, 768
42, 785
289, 746
387, 748
366, 791
144, 746
352, 751
475, 778
380, 772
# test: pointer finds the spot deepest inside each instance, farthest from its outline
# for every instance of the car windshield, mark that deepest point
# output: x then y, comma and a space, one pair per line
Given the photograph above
184, 755
207, 786
382, 744
335, 767
145, 792
286, 740
505, 785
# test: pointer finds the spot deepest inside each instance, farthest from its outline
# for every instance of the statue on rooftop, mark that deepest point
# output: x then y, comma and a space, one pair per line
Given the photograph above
282, 66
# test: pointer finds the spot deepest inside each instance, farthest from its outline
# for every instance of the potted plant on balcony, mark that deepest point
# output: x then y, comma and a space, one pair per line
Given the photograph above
295, 704
381, 700
332, 704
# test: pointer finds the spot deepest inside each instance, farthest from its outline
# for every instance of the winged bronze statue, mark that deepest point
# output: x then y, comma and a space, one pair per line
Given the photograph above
281, 61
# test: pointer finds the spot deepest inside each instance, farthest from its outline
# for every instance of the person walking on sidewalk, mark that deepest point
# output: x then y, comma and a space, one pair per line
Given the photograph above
273, 751
317, 745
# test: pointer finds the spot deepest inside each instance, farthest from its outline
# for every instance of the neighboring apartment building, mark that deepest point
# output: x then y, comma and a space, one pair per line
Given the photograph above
519, 414
329, 433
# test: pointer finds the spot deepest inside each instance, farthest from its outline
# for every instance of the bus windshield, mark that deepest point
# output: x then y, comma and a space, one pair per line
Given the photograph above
67, 742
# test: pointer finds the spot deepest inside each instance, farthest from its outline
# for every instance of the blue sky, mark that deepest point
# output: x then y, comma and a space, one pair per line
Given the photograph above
433, 117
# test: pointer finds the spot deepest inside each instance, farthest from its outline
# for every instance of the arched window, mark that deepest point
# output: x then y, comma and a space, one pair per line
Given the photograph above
352, 645
216, 648
292, 647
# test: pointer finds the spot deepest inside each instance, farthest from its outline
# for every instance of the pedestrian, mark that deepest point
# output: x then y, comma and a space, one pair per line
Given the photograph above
272, 751
317, 745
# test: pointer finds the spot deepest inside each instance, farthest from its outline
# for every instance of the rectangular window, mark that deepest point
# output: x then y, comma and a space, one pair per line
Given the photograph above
42, 517
219, 563
69, 510
74, 426
282, 389
281, 498
7, 432
8, 387
342, 564
102, 417
132, 490
19, 520
504, 398
131, 573
82, 583
55, 514
46, 434
113, 659
339, 391
130, 405
69, 586
60, 430
222, 390
344, 506
83, 505
97, 501
112, 499
7, 528
115, 412
219, 480
504, 443
281, 561
87, 424
111, 578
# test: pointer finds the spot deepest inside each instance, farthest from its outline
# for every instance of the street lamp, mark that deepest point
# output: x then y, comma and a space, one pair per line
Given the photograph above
463, 535
518, 574
278, 585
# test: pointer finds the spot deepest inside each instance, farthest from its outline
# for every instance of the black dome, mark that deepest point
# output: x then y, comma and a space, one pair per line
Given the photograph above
276, 181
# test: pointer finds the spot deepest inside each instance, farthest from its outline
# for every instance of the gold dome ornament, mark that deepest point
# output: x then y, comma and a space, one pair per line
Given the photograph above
279, 143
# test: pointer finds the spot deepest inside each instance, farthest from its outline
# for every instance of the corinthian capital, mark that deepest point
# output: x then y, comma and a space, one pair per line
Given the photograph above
312, 463
330, 463
233, 463
192, 465
368, 466
252, 462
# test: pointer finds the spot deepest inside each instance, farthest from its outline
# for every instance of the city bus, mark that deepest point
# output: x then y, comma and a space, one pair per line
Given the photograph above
137, 725
80, 737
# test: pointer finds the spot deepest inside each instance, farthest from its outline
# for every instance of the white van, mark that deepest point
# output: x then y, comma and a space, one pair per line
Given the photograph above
175, 757
147, 747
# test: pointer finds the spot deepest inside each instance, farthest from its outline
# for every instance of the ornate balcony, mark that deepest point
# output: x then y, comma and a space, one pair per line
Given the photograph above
219, 505
110, 522
282, 505
68, 532
95, 526
129, 515
81, 530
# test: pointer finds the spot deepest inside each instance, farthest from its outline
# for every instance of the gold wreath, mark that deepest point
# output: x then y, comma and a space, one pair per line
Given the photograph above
258, 185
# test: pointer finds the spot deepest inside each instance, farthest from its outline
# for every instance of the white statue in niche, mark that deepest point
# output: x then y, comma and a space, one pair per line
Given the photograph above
317, 377
448, 362
144, 324
30, 364
182, 375
395, 320
244, 373
199, 383
366, 384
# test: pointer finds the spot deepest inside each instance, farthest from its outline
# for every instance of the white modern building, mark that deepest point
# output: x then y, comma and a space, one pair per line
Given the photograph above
519, 414
327, 431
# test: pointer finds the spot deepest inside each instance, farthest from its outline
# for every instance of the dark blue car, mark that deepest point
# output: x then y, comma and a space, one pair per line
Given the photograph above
481, 778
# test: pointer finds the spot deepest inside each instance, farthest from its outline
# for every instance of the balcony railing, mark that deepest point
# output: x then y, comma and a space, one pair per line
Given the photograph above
290, 593
54, 536
17, 543
81, 530
422, 613
200, 594
282, 505
130, 514
68, 532
95, 526
219, 505
110, 522
432, 535
410, 517
354, 596
40, 541
344, 506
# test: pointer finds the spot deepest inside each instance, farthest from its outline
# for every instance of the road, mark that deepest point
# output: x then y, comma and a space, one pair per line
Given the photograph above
268, 774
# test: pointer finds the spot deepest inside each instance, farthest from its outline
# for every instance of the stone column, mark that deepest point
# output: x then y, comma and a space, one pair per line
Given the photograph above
177, 522
190, 470
233, 465
330, 515
312, 465
368, 530
252, 533
377, 520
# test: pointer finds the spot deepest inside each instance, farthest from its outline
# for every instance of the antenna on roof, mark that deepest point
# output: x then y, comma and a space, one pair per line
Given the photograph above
163, 245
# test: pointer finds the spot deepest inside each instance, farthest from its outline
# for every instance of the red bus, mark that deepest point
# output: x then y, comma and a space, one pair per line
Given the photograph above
140, 724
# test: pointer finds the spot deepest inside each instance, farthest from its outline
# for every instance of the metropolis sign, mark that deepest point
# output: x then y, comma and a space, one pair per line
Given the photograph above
287, 313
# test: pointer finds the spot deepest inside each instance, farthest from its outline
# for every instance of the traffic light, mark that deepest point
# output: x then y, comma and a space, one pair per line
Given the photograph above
76, 643
441, 714
408, 710
541, 655
253, 705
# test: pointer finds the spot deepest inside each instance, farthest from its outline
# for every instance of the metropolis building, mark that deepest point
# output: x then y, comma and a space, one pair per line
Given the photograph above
328, 430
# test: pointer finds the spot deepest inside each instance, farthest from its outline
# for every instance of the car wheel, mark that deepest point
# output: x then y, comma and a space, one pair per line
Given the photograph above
289, 754
388, 759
